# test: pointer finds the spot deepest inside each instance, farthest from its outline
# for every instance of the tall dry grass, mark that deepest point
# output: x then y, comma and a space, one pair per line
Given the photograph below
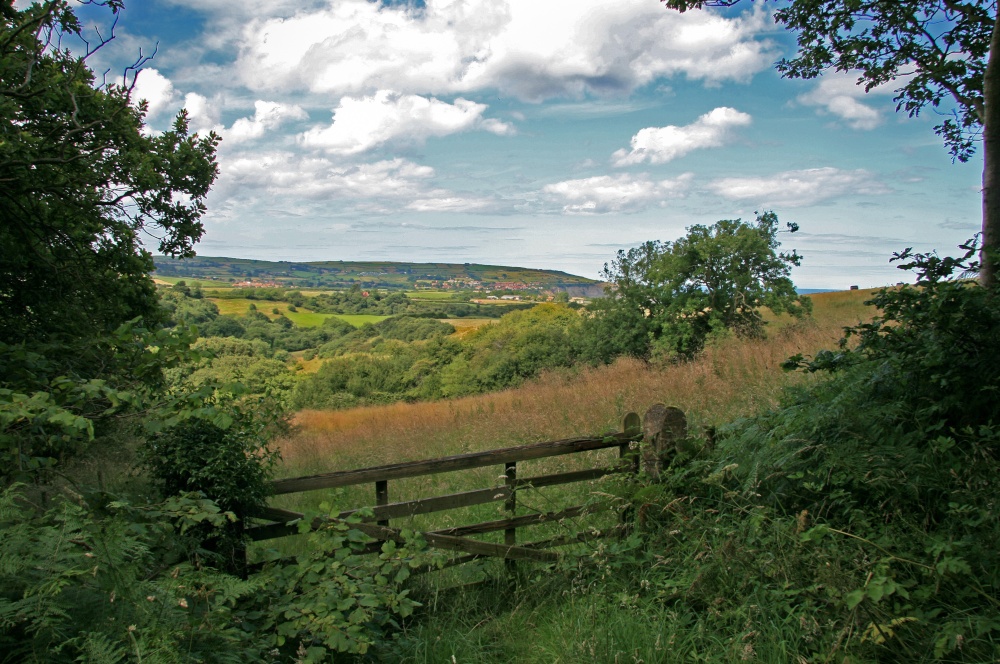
732, 378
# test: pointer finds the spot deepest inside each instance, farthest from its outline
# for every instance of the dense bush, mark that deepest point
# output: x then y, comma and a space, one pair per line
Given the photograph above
517, 347
858, 521
669, 298
414, 358
110, 582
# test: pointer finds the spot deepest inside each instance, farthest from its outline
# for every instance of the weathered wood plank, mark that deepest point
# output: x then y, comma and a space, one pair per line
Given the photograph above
447, 464
426, 505
566, 478
462, 544
518, 521
447, 542
437, 503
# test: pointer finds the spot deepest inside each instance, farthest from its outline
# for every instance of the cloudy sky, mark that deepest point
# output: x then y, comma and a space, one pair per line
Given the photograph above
537, 133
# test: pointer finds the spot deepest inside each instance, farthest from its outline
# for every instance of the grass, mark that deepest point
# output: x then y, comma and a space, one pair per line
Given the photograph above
302, 317
731, 379
432, 296
548, 615
191, 283
358, 320
464, 326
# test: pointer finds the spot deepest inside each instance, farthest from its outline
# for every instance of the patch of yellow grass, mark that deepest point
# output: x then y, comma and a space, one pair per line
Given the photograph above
463, 326
730, 379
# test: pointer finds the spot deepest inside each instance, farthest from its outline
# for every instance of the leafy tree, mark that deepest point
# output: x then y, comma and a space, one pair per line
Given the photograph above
673, 295
82, 183
944, 52
517, 347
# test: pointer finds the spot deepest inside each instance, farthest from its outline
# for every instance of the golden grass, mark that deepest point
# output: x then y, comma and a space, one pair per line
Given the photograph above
463, 326
730, 379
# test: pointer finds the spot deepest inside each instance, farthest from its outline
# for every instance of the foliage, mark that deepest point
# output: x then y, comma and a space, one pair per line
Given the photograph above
519, 346
939, 53
934, 340
369, 338
109, 584
82, 182
228, 360
335, 598
673, 296
377, 365
47, 412
863, 507
221, 451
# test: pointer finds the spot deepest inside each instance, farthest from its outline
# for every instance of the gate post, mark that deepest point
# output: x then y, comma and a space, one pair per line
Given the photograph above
382, 497
510, 534
664, 431
631, 426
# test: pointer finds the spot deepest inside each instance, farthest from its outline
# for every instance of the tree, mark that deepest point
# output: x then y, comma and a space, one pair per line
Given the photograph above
673, 295
82, 182
944, 52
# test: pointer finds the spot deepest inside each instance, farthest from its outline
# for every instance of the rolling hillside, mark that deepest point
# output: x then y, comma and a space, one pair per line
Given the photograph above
374, 274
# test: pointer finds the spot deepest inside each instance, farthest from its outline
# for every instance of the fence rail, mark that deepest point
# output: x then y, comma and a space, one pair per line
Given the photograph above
660, 431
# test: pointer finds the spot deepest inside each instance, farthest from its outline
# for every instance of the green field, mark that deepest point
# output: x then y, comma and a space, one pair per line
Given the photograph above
434, 296
192, 282
302, 317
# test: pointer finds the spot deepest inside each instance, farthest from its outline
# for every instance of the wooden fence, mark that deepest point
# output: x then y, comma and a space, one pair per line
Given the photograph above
651, 441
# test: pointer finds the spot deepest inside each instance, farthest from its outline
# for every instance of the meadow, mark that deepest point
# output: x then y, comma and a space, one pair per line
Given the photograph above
733, 378
301, 317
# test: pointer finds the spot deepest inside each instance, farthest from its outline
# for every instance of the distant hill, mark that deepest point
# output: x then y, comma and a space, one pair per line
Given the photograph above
372, 274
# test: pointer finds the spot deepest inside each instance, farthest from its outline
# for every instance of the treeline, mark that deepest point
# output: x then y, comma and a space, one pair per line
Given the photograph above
404, 357
668, 300
356, 300
414, 359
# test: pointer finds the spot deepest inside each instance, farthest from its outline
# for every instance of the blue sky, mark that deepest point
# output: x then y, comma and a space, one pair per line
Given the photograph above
537, 133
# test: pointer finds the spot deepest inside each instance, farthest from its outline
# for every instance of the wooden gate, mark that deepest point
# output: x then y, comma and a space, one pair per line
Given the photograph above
659, 433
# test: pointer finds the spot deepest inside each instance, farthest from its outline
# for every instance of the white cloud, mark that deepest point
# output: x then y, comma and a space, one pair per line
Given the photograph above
839, 94
658, 145
156, 89
203, 115
533, 50
364, 123
620, 193
291, 181
294, 175
446, 203
268, 115
799, 188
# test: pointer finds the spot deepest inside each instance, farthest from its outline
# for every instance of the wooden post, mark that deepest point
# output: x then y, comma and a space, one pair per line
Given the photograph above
382, 497
631, 426
510, 505
664, 431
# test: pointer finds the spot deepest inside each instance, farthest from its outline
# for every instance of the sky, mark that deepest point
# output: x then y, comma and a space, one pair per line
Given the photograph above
534, 133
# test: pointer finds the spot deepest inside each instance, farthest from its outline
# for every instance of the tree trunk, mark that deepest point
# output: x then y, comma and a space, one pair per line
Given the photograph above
991, 161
